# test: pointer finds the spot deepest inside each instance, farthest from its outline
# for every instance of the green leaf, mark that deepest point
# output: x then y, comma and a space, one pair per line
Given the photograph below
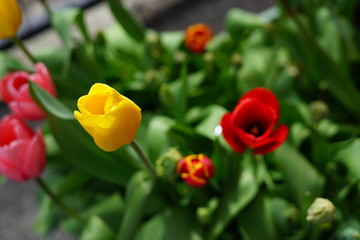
176, 223
238, 21
77, 146
232, 202
137, 193
172, 40
126, 19
300, 175
63, 20
8, 63
350, 156
110, 209
97, 229
2, 179
212, 119
157, 136
257, 219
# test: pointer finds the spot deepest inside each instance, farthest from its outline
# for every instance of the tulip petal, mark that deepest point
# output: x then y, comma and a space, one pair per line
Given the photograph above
34, 157
279, 136
88, 122
92, 104
229, 134
118, 127
99, 88
264, 95
43, 78
10, 18
249, 113
27, 110
11, 159
10, 84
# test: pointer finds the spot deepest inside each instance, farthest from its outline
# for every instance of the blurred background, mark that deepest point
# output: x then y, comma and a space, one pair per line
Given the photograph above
18, 207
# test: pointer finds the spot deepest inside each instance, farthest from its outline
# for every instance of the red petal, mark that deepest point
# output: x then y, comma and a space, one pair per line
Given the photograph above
279, 136
253, 112
264, 95
229, 134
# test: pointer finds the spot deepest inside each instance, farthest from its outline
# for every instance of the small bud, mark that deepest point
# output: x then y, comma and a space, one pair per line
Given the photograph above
237, 60
197, 36
293, 70
166, 164
209, 57
196, 170
152, 38
321, 211
180, 57
204, 214
319, 110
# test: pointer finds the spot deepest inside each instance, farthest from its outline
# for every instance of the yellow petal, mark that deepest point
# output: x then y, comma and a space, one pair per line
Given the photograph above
92, 104
99, 88
118, 127
10, 18
87, 122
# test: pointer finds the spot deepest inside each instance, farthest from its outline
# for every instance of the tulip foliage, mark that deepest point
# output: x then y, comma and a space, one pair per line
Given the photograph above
250, 133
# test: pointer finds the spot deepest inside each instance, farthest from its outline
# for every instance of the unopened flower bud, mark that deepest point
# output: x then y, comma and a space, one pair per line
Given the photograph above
180, 57
321, 211
237, 60
196, 170
293, 70
319, 110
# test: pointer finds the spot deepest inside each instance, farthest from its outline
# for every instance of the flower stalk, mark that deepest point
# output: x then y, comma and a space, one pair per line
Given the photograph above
25, 50
144, 159
58, 201
46, 6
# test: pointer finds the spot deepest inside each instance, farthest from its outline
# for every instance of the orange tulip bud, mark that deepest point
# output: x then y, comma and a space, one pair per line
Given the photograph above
197, 36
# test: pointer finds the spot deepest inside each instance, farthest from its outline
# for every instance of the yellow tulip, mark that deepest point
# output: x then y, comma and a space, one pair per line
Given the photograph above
109, 117
10, 18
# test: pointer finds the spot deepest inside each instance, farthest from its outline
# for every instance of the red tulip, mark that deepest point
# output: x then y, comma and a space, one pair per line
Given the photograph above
14, 89
196, 170
253, 123
197, 36
22, 151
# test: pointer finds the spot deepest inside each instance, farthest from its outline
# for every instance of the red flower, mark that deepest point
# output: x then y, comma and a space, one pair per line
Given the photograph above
196, 170
14, 89
22, 151
197, 36
252, 123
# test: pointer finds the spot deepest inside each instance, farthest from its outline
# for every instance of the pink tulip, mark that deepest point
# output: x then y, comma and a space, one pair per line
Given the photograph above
22, 151
14, 89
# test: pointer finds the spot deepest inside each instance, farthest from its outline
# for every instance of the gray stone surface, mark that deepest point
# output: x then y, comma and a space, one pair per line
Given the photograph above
17, 200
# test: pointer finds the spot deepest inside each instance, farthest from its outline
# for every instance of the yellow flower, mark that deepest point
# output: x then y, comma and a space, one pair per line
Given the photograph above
109, 117
10, 18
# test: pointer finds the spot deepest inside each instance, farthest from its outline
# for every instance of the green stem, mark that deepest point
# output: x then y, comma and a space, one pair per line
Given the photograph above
264, 172
145, 160
293, 14
22, 46
46, 6
58, 201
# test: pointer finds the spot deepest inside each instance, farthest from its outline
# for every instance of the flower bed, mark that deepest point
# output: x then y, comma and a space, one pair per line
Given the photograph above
252, 133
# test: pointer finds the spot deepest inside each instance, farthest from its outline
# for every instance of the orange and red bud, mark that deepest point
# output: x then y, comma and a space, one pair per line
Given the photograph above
196, 170
197, 36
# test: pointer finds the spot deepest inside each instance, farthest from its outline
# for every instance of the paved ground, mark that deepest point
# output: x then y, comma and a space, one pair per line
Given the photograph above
18, 201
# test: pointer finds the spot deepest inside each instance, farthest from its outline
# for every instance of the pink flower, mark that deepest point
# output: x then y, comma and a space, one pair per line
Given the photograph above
14, 89
22, 151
